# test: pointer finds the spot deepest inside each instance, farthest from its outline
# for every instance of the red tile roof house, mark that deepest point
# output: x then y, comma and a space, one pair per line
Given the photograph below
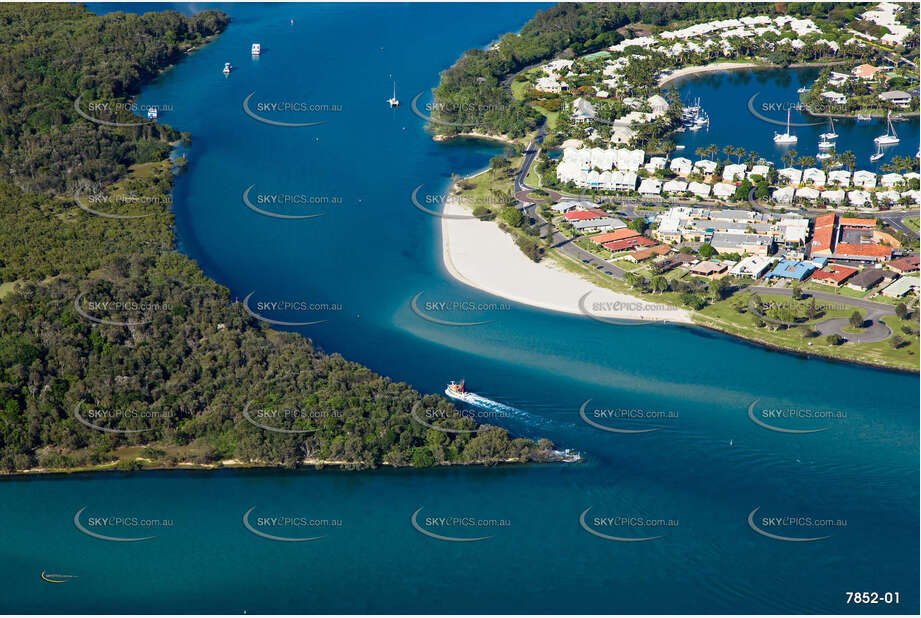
621, 234
584, 215
628, 243
866, 71
835, 274
823, 234
880, 253
905, 265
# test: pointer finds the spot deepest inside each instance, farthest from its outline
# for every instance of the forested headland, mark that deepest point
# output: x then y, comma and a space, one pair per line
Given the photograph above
473, 94
166, 370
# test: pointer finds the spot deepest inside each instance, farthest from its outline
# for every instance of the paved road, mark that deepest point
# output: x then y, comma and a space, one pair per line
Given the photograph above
527, 205
875, 331
893, 218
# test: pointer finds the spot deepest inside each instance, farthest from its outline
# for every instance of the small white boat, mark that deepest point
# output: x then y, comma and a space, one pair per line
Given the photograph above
227, 68
890, 137
679, 147
394, 101
152, 113
878, 155
256, 49
822, 156
864, 117
786, 137
802, 90
830, 134
826, 145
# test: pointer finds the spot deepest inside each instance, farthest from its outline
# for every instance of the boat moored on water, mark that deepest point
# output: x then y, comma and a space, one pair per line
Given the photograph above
890, 136
830, 134
256, 49
394, 101
227, 68
785, 137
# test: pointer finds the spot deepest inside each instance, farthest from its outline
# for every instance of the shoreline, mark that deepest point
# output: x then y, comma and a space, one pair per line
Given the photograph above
312, 465
480, 255
716, 67
475, 135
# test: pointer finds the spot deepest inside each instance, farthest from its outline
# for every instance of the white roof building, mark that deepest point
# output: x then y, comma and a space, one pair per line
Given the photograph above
706, 166
814, 176
864, 179
723, 190
734, 172
783, 195
699, 189
675, 186
656, 163
890, 180
835, 197
808, 193
650, 186
858, 198
753, 266
681, 166
791, 175
759, 170
842, 178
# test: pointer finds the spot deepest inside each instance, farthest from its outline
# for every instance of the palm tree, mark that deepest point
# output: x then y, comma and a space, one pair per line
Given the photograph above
848, 159
804, 161
789, 157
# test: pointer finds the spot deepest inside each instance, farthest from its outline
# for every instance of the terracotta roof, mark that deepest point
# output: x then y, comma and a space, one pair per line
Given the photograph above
643, 254
823, 233
835, 273
627, 243
622, 233
905, 265
856, 222
866, 70
866, 250
583, 215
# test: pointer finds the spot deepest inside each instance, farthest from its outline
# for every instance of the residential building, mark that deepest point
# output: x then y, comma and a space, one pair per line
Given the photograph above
753, 266
901, 287
865, 279
833, 274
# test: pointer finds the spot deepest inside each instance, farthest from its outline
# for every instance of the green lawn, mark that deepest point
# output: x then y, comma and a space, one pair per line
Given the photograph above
724, 316
913, 222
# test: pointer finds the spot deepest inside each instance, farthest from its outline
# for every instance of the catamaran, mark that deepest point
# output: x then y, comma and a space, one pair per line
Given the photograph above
830, 134
394, 101
786, 137
890, 137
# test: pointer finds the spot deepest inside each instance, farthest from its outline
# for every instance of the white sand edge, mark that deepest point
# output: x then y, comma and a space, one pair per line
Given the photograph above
480, 255
708, 68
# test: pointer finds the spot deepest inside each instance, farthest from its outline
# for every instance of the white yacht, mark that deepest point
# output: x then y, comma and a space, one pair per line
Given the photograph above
257, 49
786, 137
830, 134
878, 155
890, 137
152, 113
822, 156
394, 101
227, 68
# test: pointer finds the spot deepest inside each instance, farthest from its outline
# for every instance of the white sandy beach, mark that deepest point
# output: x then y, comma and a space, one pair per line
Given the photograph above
709, 68
479, 254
